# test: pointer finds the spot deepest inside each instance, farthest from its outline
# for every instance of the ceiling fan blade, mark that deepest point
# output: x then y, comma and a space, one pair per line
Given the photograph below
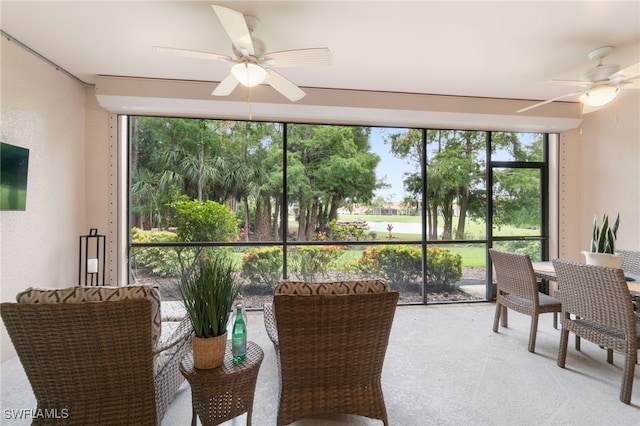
226, 86
236, 27
572, 82
549, 101
284, 86
631, 71
191, 53
314, 57
631, 83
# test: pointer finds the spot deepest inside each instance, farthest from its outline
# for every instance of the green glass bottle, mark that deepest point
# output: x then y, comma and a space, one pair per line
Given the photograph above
239, 335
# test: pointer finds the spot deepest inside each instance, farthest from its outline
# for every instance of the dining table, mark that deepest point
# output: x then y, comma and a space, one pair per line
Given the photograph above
545, 271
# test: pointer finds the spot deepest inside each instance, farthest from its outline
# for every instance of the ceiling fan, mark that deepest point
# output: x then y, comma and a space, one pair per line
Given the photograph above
600, 84
252, 65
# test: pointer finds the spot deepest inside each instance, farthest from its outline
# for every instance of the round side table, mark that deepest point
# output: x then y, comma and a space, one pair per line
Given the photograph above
225, 392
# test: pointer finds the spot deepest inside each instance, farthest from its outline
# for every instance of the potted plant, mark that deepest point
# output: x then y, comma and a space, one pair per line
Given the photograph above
603, 244
208, 291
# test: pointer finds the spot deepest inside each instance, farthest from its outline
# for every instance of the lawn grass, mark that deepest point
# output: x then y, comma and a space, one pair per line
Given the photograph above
473, 255
475, 229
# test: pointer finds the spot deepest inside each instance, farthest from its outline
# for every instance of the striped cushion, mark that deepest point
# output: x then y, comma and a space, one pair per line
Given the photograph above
172, 310
332, 287
99, 294
165, 358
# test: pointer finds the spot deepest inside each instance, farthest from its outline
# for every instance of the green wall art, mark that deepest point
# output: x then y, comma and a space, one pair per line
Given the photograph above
14, 165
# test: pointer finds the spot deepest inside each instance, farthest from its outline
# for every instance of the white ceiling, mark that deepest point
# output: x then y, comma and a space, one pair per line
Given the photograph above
502, 49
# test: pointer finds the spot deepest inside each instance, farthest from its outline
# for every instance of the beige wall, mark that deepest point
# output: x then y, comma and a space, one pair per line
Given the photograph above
600, 173
68, 135
58, 120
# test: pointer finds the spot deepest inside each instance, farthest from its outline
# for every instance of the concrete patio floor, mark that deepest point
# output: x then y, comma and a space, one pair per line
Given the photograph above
444, 366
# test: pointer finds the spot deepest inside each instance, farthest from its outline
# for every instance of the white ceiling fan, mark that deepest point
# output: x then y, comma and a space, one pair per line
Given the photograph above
600, 84
252, 65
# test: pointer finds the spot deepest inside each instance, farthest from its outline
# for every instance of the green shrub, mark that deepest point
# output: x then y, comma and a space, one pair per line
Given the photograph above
166, 261
262, 266
444, 268
532, 248
350, 231
402, 266
311, 261
161, 261
198, 221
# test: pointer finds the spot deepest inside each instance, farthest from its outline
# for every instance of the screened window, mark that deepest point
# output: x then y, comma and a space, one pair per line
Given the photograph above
415, 207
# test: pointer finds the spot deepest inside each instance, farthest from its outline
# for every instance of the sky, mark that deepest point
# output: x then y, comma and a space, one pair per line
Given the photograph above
390, 167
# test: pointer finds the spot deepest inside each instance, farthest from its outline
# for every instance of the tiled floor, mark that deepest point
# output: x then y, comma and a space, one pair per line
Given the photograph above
444, 366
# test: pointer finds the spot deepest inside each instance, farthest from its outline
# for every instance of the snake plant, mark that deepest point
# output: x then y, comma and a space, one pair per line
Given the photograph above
604, 239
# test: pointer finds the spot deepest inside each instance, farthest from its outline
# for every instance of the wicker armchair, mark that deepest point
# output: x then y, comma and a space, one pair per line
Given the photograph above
331, 349
630, 261
600, 300
518, 290
100, 362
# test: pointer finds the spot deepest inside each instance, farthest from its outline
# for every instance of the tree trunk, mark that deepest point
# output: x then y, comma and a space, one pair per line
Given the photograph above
247, 225
464, 192
433, 226
333, 212
302, 219
313, 220
200, 169
263, 213
277, 214
447, 213
464, 203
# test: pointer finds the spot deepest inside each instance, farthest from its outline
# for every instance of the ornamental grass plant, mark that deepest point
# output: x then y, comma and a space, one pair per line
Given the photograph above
209, 291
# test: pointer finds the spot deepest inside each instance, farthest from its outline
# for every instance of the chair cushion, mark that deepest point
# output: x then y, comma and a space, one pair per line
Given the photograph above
99, 294
333, 287
172, 310
163, 358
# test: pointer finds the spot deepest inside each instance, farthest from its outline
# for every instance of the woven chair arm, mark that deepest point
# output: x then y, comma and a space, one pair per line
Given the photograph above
181, 334
270, 322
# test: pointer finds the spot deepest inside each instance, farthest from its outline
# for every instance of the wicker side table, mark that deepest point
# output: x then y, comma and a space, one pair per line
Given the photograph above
222, 393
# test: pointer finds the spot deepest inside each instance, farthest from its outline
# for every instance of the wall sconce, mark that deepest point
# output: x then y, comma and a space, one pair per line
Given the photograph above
599, 95
91, 269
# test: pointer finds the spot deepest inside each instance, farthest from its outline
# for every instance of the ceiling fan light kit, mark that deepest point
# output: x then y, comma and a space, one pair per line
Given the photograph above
252, 65
599, 95
599, 85
249, 74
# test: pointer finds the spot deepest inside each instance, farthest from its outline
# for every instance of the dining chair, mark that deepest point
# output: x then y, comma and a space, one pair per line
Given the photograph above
631, 265
517, 289
596, 306
630, 261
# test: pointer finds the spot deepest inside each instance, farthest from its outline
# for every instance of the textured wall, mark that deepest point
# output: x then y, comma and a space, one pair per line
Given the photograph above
600, 173
42, 110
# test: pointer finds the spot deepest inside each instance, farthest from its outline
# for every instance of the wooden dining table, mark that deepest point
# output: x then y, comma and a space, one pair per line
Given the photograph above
545, 271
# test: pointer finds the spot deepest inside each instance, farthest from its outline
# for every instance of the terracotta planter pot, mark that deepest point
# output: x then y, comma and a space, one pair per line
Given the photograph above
208, 352
603, 259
